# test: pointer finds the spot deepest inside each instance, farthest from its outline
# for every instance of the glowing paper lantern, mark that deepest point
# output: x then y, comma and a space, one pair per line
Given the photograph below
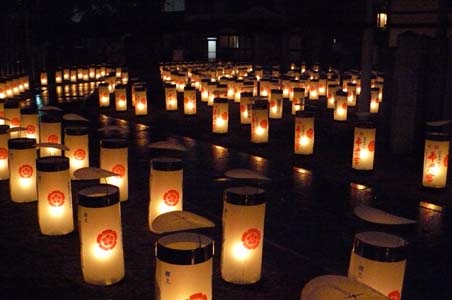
170, 97
113, 157
205, 89
243, 234
165, 187
314, 89
2, 89
184, 267
220, 115
331, 96
436, 159
340, 106
304, 133
22, 169
54, 196
276, 104
264, 87
364, 147
189, 100
374, 100
43, 78
259, 122
12, 112
322, 85
120, 98
76, 139
141, 101
297, 100
99, 219
104, 95
58, 76
245, 107
378, 260
49, 132
351, 94
30, 121
4, 136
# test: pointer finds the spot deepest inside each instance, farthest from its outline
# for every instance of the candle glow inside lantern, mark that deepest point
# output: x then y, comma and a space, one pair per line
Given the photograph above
49, 132
58, 76
114, 157
183, 269
189, 100
22, 169
165, 187
276, 104
4, 136
141, 101
378, 260
436, 160
76, 139
120, 98
104, 95
30, 121
205, 89
2, 89
364, 147
374, 100
351, 94
220, 115
243, 234
12, 112
322, 86
259, 122
170, 97
100, 230
304, 133
245, 107
54, 195
43, 78
331, 96
314, 89
297, 100
340, 106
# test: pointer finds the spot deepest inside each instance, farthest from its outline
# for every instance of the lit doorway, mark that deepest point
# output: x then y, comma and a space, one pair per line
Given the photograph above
211, 48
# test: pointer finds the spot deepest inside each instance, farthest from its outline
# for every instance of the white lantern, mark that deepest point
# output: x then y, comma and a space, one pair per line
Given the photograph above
189, 100
276, 104
378, 260
12, 112
322, 86
165, 187
374, 100
212, 87
124, 77
170, 97
113, 157
238, 88
245, 107
220, 115
54, 195
100, 230
58, 76
30, 121
436, 159
205, 89
22, 169
141, 101
104, 95
76, 139
183, 268
49, 132
2, 89
243, 234
4, 137
304, 133
340, 106
264, 87
314, 89
364, 147
121, 98
43, 78
331, 96
351, 94
259, 122
297, 100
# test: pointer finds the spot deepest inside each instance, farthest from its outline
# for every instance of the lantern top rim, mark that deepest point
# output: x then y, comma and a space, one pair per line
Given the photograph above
380, 246
21, 143
76, 130
341, 93
4, 129
50, 118
437, 136
245, 195
12, 103
52, 163
220, 100
97, 196
114, 143
167, 164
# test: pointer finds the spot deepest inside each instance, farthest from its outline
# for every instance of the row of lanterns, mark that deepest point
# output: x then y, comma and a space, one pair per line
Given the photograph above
138, 97
13, 86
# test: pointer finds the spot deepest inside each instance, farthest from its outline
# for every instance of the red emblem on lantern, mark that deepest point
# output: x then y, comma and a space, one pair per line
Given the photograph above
31, 129
344, 105
446, 160
263, 123
198, 296
371, 146
394, 295
143, 101
53, 138
119, 169
310, 133
122, 97
171, 197
105, 95
15, 122
3, 153
224, 115
79, 154
107, 239
251, 238
55, 198
273, 103
26, 171
242, 108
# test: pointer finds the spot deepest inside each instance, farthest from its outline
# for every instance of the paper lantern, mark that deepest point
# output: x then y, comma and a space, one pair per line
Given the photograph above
165, 187
314, 90
189, 100
297, 100
43, 78
378, 260
351, 94
114, 157
183, 268
73, 75
49, 132
331, 96
22, 169
436, 159
54, 195
100, 231
264, 87
124, 77
374, 100
276, 104
104, 95
76, 139
304, 133
212, 87
220, 115
2, 89
322, 86
170, 97
364, 147
120, 98
259, 122
245, 107
12, 112
4, 137
238, 88
340, 106
58, 76
243, 234
141, 101
30, 121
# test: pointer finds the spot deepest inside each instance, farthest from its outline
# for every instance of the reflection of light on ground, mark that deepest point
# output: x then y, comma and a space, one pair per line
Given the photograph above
360, 194
430, 220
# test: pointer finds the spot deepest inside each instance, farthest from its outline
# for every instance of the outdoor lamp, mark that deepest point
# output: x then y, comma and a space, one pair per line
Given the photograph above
141, 101
4, 137
436, 157
297, 100
340, 106
364, 147
220, 115
245, 107
331, 96
276, 104
322, 86
259, 122
58, 76
12, 113
76, 139
22, 169
104, 95
189, 100
304, 133
73, 74
113, 157
49, 132
204, 90
120, 97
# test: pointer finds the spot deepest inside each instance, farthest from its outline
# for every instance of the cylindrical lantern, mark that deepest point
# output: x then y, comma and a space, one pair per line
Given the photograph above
331, 96
276, 104
30, 121
205, 89
43, 78
351, 94
304, 133
141, 101
120, 98
2, 89
165, 187
220, 115
76, 139
184, 267
378, 260
4, 137
212, 87
340, 106
12, 112
22, 169
297, 100
114, 157
243, 234
99, 219
104, 95
245, 107
189, 100
54, 195
259, 122
170, 97
436, 157
374, 101
58, 76
49, 132
314, 89
322, 85
364, 147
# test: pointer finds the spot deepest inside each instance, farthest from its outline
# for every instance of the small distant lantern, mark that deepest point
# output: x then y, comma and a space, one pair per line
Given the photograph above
22, 169
76, 139
322, 86
58, 76
66, 74
378, 260
211, 86
73, 75
374, 101
121, 98
12, 112
4, 137
2, 89
124, 77
436, 160
382, 20
184, 267
54, 195
351, 94
30, 121
304, 133
92, 72
292, 85
238, 88
245, 107
114, 157
259, 122
165, 187
285, 87
104, 95
297, 100
241, 258
331, 96
141, 101
314, 89
99, 219
43, 78
264, 89
189, 100
340, 106
49, 132
79, 73
205, 89
220, 115
276, 104
170, 97
364, 147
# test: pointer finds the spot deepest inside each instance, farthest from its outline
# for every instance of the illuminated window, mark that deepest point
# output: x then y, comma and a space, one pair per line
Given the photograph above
382, 20
229, 41
212, 48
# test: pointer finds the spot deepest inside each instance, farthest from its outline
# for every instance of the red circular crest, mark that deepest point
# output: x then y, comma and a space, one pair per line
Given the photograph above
446, 160
26, 171
53, 138
79, 154
171, 197
122, 97
3, 153
371, 146
344, 105
242, 108
30, 129
310, 133
198, 296
272, 103
251, 238
224, 115
264, 123
15, 122
107, 239
394, 295
143, 101
119, 169
186, 100
56, 198
105, 95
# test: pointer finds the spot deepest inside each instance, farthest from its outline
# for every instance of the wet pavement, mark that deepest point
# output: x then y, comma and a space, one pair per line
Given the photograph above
309, 225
